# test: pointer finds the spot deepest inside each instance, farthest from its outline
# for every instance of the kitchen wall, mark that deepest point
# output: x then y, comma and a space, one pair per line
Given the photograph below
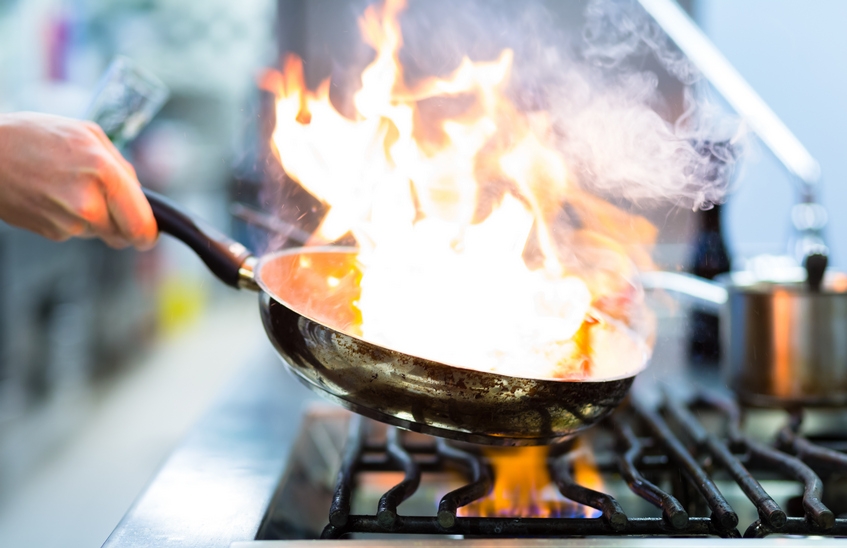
791, 52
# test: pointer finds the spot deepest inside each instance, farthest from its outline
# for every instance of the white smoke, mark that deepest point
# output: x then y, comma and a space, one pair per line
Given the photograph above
618, 30
613, 130
622, 147
610, 114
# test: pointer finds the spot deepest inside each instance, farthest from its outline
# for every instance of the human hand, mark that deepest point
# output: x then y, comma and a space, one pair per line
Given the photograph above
62, 178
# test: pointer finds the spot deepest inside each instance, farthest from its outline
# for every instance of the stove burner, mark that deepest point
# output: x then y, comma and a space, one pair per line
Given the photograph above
644, 447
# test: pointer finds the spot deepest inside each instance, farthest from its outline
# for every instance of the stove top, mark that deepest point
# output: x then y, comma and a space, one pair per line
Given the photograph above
680, 469
676, 461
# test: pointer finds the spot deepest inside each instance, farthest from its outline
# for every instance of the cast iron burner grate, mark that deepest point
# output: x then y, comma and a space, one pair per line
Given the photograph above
667, 444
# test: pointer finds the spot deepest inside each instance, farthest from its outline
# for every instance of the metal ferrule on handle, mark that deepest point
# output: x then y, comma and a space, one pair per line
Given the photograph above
228, 259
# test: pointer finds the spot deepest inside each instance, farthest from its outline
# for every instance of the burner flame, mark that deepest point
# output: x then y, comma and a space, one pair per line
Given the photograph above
523, 486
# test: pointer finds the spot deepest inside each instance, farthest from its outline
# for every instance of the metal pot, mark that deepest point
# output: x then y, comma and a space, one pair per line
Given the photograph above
784, 343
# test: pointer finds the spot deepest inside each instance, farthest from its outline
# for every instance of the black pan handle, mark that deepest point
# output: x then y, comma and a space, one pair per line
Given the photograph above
230, 261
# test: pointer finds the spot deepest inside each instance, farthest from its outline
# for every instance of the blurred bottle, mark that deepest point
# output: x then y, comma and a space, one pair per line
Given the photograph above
710, 258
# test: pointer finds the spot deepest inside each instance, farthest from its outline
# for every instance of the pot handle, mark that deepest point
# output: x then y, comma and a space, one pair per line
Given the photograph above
702, 292
230, 261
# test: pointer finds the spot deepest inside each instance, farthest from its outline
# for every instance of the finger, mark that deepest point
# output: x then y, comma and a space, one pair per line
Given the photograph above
115, 242
128, 208
106, 231
48, 230
85, 213
130, 212
105, 228
109, 239
58, 227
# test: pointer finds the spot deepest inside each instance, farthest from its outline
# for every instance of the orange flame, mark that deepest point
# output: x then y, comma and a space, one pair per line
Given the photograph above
523, 487
457, 213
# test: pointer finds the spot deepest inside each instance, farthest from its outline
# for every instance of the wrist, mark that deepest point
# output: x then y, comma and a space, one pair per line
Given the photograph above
8, 121
6, 124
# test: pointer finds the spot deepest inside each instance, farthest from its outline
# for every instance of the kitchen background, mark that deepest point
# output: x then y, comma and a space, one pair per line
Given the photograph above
107, 358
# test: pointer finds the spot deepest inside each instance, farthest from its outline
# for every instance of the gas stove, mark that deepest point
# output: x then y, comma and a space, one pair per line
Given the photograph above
664, 473
680, 463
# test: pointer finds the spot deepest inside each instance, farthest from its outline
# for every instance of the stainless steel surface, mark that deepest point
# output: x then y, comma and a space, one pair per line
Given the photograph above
305, 291
769, 542
215, 488
783, 343
787, 345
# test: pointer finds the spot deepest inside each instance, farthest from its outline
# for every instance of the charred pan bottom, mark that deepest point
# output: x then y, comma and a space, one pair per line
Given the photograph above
430, 397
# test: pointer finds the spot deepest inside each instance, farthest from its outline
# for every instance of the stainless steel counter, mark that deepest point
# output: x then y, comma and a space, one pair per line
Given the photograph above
547, 543
215, 488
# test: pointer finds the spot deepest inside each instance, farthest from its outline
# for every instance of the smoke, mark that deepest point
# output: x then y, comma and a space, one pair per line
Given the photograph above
618, 30
615, 134
622, 147
603, 74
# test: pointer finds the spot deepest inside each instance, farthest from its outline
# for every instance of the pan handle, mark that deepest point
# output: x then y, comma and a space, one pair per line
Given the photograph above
230, 261
704, 293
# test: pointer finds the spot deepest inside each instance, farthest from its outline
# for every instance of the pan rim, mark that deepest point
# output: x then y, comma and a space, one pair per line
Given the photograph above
269, 257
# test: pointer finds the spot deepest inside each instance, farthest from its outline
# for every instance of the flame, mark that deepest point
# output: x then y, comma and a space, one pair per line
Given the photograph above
455, 198
523, 487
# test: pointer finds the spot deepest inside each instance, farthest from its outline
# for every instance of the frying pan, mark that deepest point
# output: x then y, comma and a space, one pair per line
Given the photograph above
304, 297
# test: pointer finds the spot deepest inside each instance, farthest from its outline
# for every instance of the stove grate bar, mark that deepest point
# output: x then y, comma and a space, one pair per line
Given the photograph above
672, 511
797, 526
529, 527
766, 506
387, 509
339, 510
725, 517
613, 514
479, 487
818, 457
768, 457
